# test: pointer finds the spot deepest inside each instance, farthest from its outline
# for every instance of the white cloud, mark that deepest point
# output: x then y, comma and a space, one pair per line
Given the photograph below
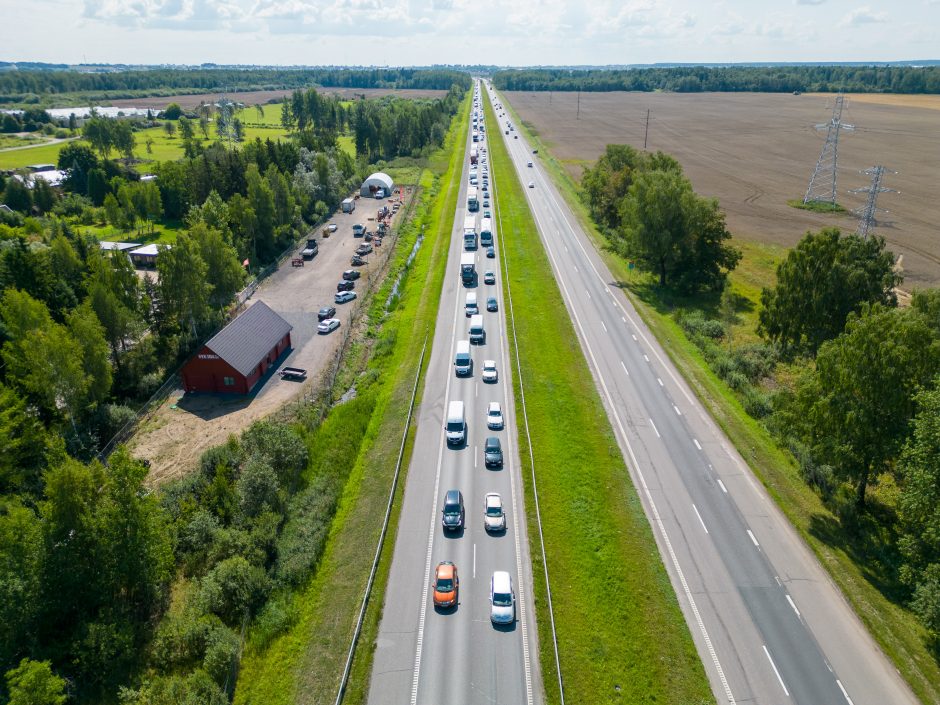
810, 2
862, 16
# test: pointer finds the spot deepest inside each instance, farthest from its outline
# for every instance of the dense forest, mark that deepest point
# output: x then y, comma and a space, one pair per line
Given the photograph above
845, 380
23, 87
91, 559
762, 79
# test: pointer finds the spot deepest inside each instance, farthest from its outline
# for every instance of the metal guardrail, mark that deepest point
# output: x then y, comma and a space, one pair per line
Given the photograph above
525, 417
378, 549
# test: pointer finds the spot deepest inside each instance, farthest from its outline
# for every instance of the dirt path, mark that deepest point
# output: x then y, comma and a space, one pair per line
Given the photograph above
186, 425
39, 144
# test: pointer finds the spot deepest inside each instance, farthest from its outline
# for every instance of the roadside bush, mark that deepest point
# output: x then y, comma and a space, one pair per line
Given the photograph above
736, 380
111, 418
233, 590
229, 454
182, 639
755, 361
257, 487
277, 616
221, 650
279, 444
197, 688
302, 540
757, 403
696, 325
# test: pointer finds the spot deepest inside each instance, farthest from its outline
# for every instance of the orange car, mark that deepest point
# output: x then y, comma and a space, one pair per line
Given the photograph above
446, 584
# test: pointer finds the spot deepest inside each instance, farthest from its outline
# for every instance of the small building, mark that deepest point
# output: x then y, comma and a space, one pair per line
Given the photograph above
240, 354
119, 246
379, 184
146, 256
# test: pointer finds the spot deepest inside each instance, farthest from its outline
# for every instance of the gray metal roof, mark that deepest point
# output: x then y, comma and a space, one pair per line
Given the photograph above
244, 342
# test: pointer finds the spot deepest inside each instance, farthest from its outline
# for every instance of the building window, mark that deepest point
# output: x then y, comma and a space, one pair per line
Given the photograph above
228, 381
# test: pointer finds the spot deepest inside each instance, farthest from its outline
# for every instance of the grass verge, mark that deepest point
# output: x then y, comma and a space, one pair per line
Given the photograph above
304, 664
641, 651
854, 564
816, 206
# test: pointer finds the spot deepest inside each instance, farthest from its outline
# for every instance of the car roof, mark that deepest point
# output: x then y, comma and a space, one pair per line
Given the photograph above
494, 405
446, 568
452, 496
487, 363
493, 498
492, 442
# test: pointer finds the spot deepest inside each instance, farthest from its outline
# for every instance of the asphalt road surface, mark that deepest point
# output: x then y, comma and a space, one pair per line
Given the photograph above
424, 655
767, 621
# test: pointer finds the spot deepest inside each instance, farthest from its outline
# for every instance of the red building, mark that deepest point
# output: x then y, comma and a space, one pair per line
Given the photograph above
239, 354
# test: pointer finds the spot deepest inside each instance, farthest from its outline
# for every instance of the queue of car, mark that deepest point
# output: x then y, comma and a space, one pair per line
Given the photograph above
445, 583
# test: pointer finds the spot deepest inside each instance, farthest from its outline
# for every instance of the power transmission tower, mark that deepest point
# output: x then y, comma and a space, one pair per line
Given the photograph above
822, 184
647, 133
866, 215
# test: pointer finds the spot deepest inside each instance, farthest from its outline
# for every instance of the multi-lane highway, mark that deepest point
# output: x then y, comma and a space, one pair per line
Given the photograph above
768, 623
457, 656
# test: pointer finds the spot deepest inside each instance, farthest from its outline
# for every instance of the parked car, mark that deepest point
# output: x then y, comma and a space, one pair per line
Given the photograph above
491, 304
328, 325
364, 249
351, 274
489, 277
489, 371
331, 227
492, 452
343, 297
345, 285
357, 261
326, 312
446, 585
494, 416
490, 252
494, 517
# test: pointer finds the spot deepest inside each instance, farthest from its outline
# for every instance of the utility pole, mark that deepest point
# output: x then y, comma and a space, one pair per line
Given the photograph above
822, 184
866, 215
647, 133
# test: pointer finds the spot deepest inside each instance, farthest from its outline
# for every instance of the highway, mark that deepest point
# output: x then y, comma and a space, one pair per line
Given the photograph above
456, 656
768, 623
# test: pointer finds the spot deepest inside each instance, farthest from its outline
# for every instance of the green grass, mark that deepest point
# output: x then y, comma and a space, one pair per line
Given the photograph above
19, 158
856, 564
347, 144
15, 141
816, 206
608, 556
306, 662
161, 233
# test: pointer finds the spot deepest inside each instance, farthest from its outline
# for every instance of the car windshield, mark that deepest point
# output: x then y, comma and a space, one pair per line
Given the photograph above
494, 412
502, 599
494, 510
454, 426
445, 584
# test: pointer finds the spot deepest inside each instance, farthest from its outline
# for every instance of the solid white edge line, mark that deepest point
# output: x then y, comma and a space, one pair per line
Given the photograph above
701, 521
474, 561
839, 683
657, 518
774, 666
793, 605
655, 429
753, 537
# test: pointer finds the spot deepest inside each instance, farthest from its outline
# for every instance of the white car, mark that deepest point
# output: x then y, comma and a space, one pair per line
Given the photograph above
331, 227
531, 184
328, 325
529, 164
489, 371
494, 518
494, 416
502, 598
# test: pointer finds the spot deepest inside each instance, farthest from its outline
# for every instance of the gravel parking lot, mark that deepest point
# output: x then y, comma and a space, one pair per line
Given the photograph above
188, 424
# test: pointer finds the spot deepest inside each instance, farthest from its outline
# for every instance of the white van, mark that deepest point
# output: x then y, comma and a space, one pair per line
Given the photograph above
470, 306
502, 599
456, 425
463, 362
477, 334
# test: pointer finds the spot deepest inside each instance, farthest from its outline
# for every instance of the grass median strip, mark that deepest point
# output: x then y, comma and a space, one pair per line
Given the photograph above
304, 664
896, 629
621, 634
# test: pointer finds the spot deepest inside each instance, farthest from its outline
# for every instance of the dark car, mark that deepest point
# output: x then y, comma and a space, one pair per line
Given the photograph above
326, 312
346, 285
491, 252
452, 514
351, 275
364, 249
492, 453
357, 261
491, 304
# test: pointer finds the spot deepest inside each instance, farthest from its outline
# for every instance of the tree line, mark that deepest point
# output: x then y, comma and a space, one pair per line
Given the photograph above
693, 79
845, 380
44, 86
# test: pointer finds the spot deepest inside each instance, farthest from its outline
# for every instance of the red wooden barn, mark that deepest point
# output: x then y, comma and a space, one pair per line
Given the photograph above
239, 354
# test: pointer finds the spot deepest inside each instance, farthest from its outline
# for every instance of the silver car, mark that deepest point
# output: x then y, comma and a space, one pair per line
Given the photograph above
494, 416
494, 518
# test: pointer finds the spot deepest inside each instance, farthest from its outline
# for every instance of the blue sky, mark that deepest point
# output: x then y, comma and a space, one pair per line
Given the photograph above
506, 32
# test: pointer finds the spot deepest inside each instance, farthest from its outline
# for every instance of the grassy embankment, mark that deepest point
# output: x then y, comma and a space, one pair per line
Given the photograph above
860, 565
305, 663
638, 649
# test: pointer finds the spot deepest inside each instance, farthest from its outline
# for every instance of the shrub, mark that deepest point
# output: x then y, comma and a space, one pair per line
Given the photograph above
695, 324
233, 590
301, 542
279, 444
755, 361
757, 404
276, 617
257, 487
221, 651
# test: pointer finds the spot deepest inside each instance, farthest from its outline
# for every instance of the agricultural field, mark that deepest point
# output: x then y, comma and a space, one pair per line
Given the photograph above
754, 152
193, 100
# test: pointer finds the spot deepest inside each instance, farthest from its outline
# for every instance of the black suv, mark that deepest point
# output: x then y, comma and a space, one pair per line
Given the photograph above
346, 285
326, 312
492, 453
452, 514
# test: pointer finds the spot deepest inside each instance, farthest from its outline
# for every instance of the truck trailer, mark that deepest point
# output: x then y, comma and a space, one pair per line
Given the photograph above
470, 232
468, 269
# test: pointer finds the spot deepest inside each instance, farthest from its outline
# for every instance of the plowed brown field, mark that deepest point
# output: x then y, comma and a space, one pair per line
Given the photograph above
755, 151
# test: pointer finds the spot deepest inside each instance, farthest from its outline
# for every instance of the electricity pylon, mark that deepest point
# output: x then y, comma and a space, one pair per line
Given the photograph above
866, 215
822, 184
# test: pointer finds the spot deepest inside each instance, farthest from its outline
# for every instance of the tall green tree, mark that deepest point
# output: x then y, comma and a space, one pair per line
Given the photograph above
824, 278
853, 410
78, 160
261, 200
17, 196
184, 286
34, 683
21, 556
24, 443
89, 334
224, 270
